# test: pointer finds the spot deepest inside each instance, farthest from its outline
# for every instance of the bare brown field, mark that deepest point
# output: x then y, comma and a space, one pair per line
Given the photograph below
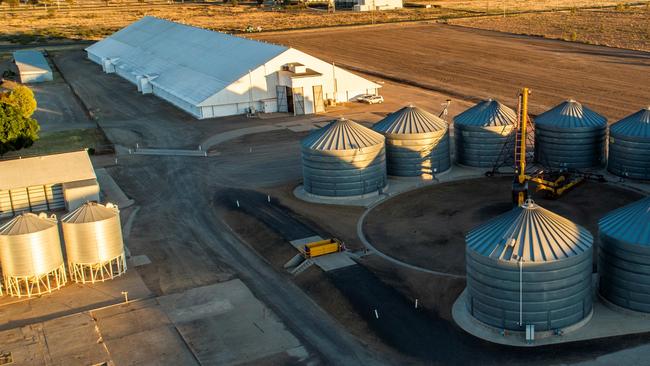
628, 28
97, 23
470, 63
498, 6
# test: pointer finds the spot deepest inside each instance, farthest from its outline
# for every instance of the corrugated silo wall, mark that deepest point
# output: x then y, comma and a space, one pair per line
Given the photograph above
32, 254
93, 242
344, 172
554, 294
411, 155
570, 148
482, 147
624, 273
629, 157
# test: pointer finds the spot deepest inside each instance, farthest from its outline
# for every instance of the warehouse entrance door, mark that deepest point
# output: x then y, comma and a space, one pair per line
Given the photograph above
34, 199
298, 101
319, 105
281, 95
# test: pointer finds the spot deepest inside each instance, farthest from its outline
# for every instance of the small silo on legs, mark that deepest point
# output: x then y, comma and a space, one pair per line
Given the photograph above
30, 253
529, 266
570, 136
93, 242
629, 146
417, 142
343, 159
482, 132
624, 257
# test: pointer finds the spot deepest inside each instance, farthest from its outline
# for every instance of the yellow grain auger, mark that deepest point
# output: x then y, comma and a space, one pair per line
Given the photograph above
555, 183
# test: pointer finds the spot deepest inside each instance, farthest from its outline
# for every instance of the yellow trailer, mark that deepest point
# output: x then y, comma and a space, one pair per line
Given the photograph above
322, 247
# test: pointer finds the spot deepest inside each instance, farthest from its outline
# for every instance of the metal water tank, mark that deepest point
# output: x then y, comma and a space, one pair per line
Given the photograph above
529, 266
93, 242
570, 135
624, 256
343, 159
417, 142
30, 254
482, 133
629, 146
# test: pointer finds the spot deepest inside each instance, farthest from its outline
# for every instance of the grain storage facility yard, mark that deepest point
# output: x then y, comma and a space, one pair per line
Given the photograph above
208, 236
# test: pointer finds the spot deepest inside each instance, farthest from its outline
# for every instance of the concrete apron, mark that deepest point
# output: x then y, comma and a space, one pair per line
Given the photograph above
605, 320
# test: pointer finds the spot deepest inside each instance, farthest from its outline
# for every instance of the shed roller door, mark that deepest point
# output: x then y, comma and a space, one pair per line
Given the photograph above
35, 199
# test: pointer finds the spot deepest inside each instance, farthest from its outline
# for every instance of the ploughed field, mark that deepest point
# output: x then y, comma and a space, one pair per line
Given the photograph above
477, 63
427, 227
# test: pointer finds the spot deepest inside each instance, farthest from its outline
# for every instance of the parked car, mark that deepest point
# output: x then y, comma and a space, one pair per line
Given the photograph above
372, 99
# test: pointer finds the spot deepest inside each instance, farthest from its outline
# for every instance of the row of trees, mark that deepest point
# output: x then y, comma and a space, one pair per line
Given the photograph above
17, 127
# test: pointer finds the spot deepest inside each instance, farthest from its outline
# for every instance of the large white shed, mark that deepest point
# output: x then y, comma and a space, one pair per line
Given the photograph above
212, 74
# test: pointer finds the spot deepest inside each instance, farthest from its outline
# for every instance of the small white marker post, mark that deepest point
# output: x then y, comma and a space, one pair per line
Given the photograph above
376, 314
200, 148
416, 303
115, 161
126, 296
268, 198
137, 145
237, 203
250, 149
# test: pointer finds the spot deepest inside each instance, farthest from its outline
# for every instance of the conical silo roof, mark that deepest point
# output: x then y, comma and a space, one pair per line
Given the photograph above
531, 233
634, 125
89, 212
570, 114
342, 134
630, 223
487, 113
27, 223
410, 120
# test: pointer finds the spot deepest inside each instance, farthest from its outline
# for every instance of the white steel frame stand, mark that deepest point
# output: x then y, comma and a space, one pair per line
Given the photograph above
97, 272
29, 286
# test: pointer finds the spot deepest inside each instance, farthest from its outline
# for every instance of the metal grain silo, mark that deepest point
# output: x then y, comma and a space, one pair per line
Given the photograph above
570, 135
481, 134
629, 146
30, 253
343, 159
624, 256
529, 266
93, 242
417, 142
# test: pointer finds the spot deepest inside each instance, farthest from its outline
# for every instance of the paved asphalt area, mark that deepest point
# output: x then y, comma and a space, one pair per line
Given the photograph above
180, 227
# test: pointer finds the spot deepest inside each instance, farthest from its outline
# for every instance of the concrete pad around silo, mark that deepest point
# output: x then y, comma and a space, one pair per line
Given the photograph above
70, 299
604, 322
224, 324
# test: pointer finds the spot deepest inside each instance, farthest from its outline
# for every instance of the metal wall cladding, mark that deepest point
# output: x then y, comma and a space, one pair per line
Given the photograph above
556, 271
624, 256
629, 146
417, 142
483, 147
570, 136
482, 132
343, 159
30, 246
93, 242
414, 155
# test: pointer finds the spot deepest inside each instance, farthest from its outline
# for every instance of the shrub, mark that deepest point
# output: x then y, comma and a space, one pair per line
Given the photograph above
21, 98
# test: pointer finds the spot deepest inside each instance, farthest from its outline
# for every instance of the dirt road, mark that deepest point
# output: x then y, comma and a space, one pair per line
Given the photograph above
478, 63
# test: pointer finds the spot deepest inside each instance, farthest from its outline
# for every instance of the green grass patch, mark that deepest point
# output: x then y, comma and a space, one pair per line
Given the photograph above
55, 142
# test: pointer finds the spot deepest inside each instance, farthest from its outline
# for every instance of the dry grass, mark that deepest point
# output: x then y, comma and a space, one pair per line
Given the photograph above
22, 27
629, 28
497, 6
